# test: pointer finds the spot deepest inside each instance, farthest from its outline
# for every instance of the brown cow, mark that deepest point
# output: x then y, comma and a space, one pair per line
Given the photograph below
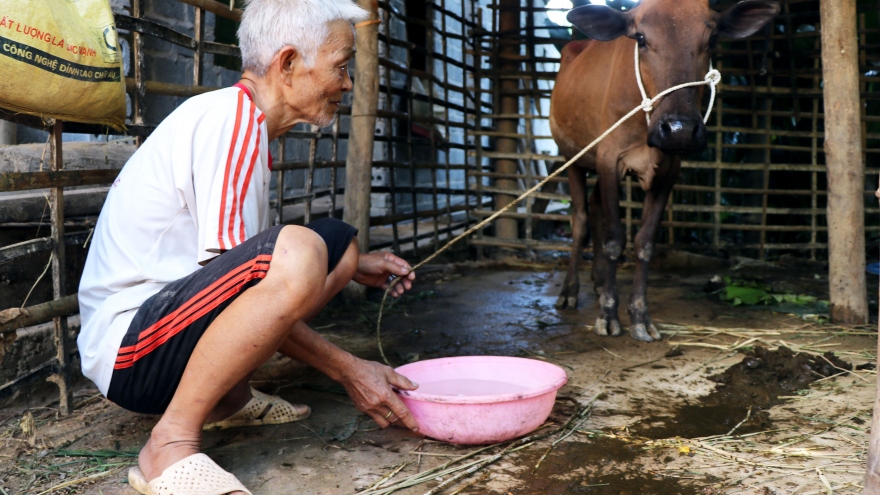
595, 87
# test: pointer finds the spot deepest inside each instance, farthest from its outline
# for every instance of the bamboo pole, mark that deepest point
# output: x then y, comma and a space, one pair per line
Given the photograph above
59, 278
505, 163
41, 313
846, 171
359, 162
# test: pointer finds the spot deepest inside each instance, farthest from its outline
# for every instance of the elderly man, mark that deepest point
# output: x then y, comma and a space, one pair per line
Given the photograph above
186, 291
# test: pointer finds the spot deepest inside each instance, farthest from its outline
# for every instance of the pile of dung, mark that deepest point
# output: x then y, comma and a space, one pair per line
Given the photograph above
764, 375
745, 390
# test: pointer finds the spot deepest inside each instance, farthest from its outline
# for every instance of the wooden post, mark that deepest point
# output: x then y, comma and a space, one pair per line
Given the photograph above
138, 58
508, 22
56, 204
872, 477
844, 159
359, 162
199, 53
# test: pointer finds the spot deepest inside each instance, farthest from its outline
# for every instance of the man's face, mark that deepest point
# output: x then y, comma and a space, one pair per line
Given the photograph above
327, 80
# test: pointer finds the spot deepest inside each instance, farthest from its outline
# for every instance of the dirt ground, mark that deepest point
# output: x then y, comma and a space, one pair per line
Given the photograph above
655, 422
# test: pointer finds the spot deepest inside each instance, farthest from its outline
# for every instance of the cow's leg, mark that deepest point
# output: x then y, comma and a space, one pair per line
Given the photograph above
577, 182
608, 322
597, 220
641, 326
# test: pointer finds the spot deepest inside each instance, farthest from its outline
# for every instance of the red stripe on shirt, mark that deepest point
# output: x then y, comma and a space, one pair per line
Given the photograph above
247, 181
228, 165
241, 157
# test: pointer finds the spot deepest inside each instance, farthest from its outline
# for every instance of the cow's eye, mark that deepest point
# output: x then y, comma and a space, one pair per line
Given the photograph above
713, 40
640, 39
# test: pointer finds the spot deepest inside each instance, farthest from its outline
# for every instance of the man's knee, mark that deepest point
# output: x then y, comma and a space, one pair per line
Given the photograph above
299, 259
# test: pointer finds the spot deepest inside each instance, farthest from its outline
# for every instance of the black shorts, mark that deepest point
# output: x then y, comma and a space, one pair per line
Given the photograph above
167, 327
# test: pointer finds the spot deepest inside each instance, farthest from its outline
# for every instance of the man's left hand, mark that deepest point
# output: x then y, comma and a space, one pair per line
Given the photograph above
376, 269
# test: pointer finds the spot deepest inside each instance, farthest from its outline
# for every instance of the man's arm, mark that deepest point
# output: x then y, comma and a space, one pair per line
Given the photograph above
366, 382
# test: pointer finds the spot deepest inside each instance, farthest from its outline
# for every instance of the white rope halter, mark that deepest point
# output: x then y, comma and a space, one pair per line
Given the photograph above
713, 77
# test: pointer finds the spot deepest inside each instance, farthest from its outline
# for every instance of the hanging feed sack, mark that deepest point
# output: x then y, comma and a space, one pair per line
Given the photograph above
61, 59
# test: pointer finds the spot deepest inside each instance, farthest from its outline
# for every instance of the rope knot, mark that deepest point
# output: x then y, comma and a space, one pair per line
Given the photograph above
647, 105
713, 77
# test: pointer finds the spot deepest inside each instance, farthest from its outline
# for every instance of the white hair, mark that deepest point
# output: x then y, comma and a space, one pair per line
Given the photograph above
267, 26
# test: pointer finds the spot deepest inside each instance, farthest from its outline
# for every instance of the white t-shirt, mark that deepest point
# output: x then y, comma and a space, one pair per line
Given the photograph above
197, 187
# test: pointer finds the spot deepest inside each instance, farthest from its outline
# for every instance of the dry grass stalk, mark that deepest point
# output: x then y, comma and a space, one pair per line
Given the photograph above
468, 485
387, 477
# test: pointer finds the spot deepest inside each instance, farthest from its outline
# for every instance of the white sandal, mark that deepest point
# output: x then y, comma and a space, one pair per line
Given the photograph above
193, 475
262, 409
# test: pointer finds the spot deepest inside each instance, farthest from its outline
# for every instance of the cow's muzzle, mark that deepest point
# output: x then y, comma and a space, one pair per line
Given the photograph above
677, 134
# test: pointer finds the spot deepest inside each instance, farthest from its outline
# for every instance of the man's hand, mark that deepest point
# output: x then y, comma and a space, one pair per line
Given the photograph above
374, 270
369, 385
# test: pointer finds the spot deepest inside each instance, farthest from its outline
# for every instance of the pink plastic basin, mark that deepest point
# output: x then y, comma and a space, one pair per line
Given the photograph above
481, 399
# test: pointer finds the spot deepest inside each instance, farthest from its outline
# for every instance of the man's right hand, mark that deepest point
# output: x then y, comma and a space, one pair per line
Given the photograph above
369, 385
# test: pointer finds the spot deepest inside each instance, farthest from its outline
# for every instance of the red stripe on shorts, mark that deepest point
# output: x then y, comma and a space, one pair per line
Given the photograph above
197, 306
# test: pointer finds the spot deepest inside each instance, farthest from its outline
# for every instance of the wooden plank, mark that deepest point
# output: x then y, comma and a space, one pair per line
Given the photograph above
25, 248
168, 89
146, 26
41, 372
22, 181
222, 49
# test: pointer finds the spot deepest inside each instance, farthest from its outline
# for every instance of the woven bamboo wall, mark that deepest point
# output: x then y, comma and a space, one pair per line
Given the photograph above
757, 190
427, 108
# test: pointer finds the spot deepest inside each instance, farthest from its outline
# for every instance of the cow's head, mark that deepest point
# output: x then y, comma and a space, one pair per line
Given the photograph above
675, 39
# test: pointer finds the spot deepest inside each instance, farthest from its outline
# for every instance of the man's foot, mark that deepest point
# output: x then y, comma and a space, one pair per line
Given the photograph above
167, 446
260, 410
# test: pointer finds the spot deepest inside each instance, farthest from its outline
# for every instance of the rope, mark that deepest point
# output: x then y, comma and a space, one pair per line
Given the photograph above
713, 77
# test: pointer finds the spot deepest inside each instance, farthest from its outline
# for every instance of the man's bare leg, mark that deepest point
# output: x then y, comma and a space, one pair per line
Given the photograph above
342, 273
219, 361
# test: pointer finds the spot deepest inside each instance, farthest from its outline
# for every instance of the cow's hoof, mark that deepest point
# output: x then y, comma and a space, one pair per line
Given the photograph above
605, 328
644, 333
570, 302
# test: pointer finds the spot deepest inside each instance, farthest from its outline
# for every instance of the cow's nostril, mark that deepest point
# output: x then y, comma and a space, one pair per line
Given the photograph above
665, 129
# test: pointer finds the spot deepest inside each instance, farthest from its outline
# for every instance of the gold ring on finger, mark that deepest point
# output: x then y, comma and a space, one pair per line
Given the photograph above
389, 414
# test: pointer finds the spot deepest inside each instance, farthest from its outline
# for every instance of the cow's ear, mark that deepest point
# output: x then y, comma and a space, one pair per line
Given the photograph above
746, 18
599, 22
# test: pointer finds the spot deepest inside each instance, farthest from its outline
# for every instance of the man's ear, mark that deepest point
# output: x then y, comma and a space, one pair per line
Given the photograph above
600, 22
746, 18
287, 60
